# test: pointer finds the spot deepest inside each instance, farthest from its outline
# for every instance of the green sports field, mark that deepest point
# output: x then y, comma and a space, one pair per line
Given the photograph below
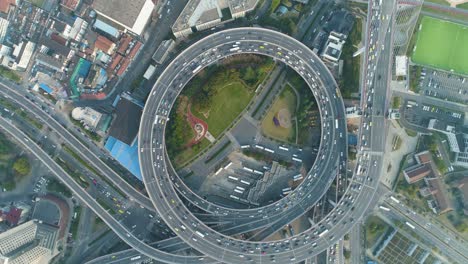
442, 44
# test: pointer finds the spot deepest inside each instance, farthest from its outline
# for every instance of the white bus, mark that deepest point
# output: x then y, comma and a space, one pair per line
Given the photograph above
269, 150
283, 148
245, 182
199, 234
258, 172
286, 193
245, 146
296, 159
410, 225
136, 258
384, 208
247, 169
234, 197
259, 147
218, 171
197, 69
395, 199
234, 49
336, 123
240, 188
228, 165
286, 189
323, 233
233, 178
238, 191
298, 178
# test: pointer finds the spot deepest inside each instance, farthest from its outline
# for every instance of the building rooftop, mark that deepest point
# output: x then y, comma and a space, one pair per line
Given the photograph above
132, 15
5, 5
70, 4
126, 124
417, 172
199, 12
438, 192
423, 157
103, 43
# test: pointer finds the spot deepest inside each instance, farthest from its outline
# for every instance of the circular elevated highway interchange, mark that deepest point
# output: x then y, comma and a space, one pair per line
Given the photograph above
164, 186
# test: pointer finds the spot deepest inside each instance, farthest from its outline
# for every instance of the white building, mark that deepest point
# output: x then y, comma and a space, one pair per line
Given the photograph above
26, 56
204, 14
333, 47
401, 65
132, 15
32, 242
88, 116
3, 29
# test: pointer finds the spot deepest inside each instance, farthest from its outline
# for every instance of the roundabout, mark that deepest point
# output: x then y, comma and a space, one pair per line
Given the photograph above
164, 186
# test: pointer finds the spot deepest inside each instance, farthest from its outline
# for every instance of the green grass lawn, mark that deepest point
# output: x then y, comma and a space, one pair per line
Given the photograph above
463, 6
225, 106
442, 44
287, 99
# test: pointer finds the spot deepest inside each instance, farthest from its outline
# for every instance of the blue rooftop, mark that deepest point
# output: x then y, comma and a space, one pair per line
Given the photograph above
125, 155
46, 88
104, 27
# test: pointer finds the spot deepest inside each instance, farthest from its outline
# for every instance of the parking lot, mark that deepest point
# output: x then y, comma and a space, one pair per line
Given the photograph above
421, 114
444, 85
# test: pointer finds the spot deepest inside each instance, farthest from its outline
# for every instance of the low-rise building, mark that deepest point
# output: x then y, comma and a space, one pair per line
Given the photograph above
438, 201
421, 169
132, 15
333, 47
87, 116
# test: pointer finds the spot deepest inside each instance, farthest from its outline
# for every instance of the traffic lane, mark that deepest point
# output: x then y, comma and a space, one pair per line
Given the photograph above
90, 202
78, 146
450, 248
447, 237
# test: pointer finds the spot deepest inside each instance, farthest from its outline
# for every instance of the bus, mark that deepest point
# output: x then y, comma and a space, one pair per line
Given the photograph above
296, 159
218, 171
238, 191
245, 146
199, 234
286, 193
384, 208
410, 225
197, 69
358, 171
240, 188
234, 49
298, 178
283, 148
228, 165
233, 178
247, 169
259, 147
136, 258
269, 150
258, 172
395, 199
286, 189
336, 123
234, 197
323, 233
245, 182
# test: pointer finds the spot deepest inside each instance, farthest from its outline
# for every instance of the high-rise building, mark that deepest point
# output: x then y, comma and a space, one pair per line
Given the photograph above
32, 242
